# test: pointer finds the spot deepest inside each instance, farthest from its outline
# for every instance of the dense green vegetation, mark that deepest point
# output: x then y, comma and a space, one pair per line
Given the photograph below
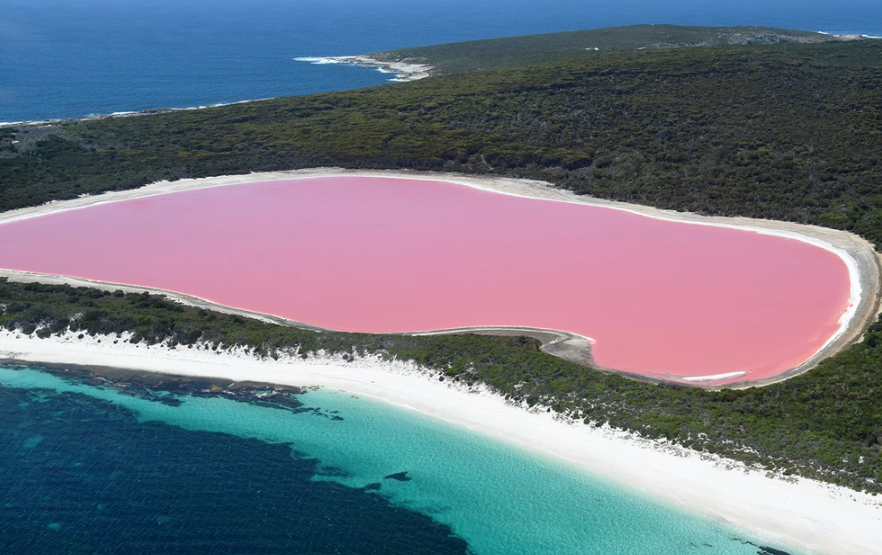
825, 424
786, 132
789, 132
461, 57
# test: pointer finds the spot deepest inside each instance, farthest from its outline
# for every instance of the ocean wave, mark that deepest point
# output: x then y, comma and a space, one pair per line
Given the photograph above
26, 122
319, 61
129, 113
849, 35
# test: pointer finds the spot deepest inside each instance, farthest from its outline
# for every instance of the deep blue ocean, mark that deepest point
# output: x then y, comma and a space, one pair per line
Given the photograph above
72, 58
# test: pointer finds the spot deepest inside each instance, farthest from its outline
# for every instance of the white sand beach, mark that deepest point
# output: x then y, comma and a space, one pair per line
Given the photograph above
805, 514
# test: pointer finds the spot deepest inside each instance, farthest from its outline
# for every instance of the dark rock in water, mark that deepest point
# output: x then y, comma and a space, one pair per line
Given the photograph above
170, 401
163, 388
765, 550
372, 486
332, 471
400, 476
762, 549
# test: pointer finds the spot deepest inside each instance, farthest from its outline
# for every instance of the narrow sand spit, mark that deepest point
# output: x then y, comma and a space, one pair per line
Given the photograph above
858, 255
404, 71
807, 515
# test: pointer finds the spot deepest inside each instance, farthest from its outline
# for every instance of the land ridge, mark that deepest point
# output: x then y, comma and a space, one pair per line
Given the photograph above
461, 57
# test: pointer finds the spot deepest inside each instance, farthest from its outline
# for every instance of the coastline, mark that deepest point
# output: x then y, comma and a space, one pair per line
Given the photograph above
805, 514
857, 254
126, 113
403, 71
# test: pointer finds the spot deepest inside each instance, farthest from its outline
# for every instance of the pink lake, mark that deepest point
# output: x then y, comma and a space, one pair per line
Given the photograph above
660, 298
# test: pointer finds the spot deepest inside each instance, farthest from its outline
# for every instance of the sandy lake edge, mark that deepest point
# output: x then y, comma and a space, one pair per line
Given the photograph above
865, 271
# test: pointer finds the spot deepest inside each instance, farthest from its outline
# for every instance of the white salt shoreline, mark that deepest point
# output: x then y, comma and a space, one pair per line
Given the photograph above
856, 274
857, 254
804, 514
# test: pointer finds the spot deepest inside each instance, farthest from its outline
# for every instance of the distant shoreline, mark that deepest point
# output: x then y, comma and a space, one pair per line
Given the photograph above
128, 114
403, 71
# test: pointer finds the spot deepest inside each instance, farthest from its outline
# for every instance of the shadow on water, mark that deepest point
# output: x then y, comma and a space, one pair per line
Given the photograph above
83, 475
763, 549
168, 464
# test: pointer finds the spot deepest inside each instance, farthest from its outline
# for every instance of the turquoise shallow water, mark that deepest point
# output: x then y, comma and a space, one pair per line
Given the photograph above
499, 499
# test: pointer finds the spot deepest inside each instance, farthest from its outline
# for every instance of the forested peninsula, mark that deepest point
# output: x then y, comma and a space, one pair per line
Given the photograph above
462, 57
783, 131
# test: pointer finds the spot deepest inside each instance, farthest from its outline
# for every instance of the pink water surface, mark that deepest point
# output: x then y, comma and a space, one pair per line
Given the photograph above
390, 255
